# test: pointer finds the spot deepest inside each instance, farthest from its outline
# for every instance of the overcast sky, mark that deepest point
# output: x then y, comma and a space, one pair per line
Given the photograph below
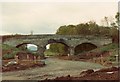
46, 18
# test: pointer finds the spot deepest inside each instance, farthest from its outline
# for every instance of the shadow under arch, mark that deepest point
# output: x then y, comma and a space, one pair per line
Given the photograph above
84, 47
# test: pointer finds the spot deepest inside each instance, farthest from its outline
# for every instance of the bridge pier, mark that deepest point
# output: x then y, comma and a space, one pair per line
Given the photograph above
41, 51
71, 50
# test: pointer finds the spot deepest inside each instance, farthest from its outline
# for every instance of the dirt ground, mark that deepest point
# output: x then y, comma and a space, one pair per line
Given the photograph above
54, 68
102, 74
91, 57
22, 65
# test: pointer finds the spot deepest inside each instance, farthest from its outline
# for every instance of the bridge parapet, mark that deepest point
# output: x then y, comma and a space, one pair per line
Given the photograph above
55, 36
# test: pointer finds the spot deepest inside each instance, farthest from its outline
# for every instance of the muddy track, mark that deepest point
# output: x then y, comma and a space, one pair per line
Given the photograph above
54, 68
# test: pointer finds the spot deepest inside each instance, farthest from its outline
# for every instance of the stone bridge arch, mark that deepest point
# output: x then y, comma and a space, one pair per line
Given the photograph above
85, 46
62, 41
42, 47
25, 43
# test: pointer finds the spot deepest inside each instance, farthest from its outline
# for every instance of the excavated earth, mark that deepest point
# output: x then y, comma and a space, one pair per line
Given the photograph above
102, 74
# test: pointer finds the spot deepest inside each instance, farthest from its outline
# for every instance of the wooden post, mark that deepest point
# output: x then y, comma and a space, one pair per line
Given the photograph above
34, 59
101, 60
38, 59
116, 58
68, 54
16, 59
28, 58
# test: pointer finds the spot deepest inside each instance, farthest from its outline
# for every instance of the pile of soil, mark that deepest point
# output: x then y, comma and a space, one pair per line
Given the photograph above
91, 57
86, 56
21, 66
102, 74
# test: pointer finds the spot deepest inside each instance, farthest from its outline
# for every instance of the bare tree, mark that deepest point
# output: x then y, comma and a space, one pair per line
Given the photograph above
106, 21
